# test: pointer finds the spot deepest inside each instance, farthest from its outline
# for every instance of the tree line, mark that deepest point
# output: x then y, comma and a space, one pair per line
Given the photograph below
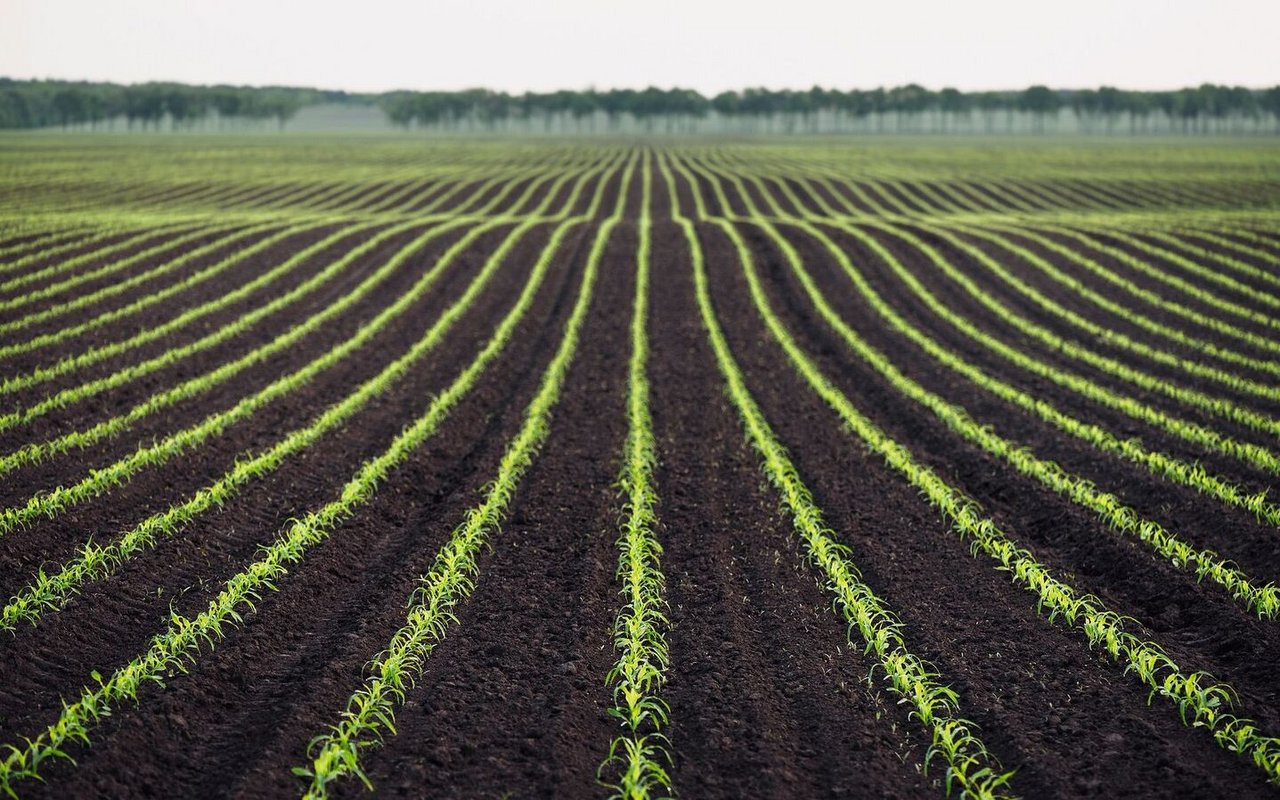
44, 104
1208, 108
911, 108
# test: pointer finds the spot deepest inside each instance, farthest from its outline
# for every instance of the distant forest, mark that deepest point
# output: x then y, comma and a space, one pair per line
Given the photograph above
1206, 109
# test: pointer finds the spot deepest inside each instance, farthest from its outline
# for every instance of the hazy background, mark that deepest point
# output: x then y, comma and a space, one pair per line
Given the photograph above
378, 45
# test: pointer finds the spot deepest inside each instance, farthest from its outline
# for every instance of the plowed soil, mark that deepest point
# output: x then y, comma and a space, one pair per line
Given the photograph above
768, 698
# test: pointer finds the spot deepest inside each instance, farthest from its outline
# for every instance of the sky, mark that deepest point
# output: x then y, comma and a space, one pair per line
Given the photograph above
541, 45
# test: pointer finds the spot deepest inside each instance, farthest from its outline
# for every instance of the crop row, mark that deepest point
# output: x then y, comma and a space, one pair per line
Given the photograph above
1200, 701
51, 503
1053, 283
236, 327
638, 758
186, 637
969, 765
1169, 467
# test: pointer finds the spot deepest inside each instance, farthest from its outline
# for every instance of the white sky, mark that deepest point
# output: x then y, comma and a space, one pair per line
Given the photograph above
710, 45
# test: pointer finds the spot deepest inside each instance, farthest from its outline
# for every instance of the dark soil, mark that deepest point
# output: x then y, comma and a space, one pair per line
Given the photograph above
768, 697
920, 567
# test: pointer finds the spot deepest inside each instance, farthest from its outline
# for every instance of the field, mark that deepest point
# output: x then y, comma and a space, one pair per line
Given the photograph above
772, 468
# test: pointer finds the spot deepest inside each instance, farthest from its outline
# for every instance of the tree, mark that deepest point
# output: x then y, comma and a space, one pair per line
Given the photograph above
1040, 101
910, 100
1139, 105
1226, 109
1110, 104
989, 103
952, 103
69, 106
1270, 102
143, 104
728, 104
1084, 103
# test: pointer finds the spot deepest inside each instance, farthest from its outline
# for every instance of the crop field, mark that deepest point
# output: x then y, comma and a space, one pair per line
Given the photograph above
694, 468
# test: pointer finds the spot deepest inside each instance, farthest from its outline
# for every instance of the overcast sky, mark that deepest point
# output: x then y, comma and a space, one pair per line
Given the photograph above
374, 45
